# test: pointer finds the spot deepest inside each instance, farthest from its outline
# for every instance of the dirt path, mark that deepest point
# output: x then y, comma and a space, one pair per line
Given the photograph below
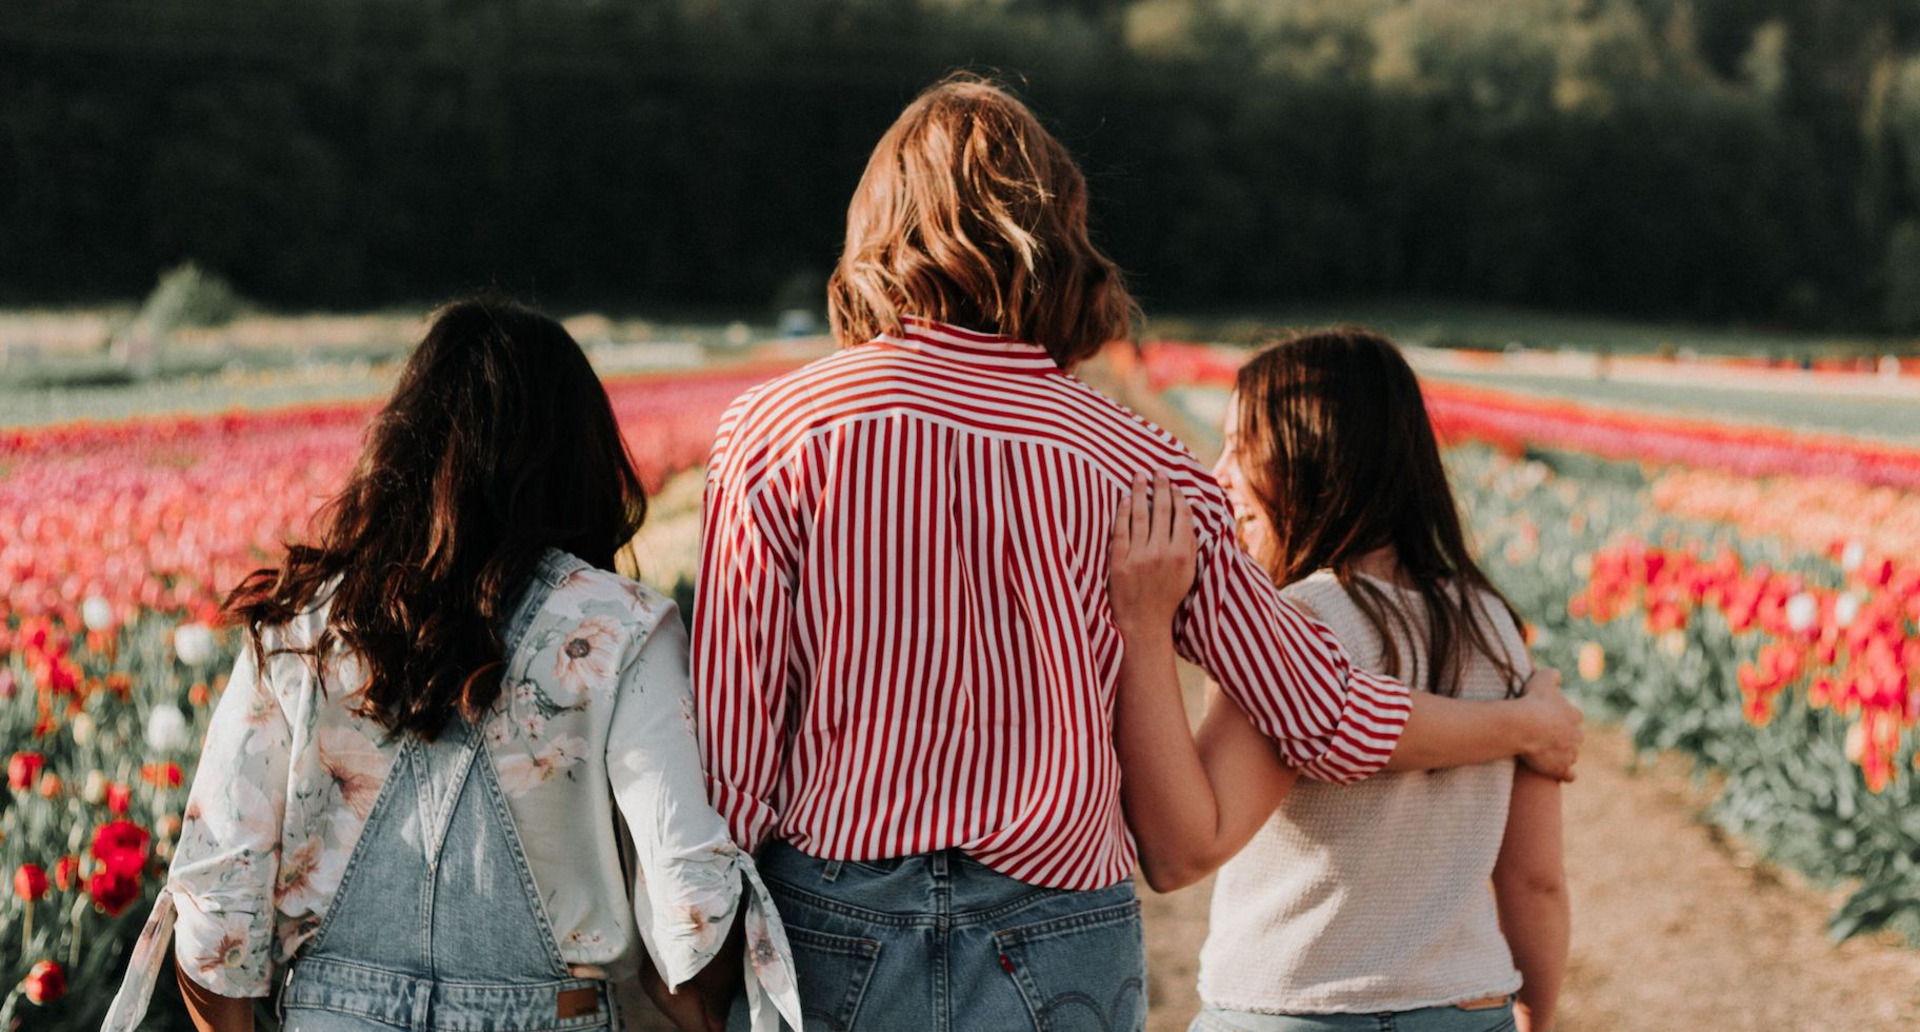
1675, 929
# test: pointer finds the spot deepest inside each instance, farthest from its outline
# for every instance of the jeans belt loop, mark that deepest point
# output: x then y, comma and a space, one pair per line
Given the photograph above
940, 863
831, 872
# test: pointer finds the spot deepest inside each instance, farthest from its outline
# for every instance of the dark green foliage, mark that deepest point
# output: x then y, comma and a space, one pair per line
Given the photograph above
1653, 157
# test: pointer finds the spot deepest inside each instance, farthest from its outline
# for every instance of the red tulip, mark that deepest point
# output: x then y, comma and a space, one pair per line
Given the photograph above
45, 983
30, 882
113, 891
119, 799
66, 873
23, 769
122, 846
162, 775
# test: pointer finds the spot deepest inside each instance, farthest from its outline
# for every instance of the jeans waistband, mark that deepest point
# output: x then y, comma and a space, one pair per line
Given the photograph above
410, 1001
940, 863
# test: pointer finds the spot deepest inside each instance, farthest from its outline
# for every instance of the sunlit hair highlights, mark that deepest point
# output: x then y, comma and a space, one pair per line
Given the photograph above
970, 212
498, 443
1337, 450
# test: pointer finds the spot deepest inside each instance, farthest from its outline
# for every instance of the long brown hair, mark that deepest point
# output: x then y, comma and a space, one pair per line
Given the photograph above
970, 212
1337, 449
498, 443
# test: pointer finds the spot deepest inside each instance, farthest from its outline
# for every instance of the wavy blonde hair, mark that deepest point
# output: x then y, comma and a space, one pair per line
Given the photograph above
970, 212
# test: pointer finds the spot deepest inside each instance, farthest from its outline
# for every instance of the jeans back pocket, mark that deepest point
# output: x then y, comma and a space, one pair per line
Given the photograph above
832, 972
1082, 972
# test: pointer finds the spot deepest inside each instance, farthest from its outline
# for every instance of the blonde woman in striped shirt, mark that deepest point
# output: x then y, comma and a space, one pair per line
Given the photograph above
903, 654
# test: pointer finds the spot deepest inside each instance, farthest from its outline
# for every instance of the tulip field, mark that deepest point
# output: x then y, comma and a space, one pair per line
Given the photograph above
1749, 598
1745, 597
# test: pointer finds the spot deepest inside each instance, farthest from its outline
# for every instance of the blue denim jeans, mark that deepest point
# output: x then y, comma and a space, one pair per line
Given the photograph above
943, 943
1426, 1019
437, 924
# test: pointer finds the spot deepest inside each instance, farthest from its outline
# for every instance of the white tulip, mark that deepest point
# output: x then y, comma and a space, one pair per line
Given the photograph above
82, 730
1845, 609
1802, 611
167, 729
194, 644
94, 787
1852, 556
1674, 644
97, 612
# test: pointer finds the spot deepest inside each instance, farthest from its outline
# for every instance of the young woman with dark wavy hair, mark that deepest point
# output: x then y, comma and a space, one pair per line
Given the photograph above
408, 810
903, 651
1363, 907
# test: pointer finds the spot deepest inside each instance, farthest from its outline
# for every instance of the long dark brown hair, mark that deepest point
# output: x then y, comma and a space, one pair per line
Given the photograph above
1336, 447
971, 212
498, 443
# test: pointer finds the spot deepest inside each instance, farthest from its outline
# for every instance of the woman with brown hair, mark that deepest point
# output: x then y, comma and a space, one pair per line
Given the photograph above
1364, 907
409, 807
903, 651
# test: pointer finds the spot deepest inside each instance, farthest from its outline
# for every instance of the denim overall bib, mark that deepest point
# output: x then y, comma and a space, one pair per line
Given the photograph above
437, 923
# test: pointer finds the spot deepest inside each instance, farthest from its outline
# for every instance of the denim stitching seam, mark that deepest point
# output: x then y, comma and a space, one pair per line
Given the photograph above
1056, 927
380, 804
834, 906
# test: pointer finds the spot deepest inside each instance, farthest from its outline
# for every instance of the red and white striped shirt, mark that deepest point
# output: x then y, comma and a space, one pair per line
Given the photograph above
903, 643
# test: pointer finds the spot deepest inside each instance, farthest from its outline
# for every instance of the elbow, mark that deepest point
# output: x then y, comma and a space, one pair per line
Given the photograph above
1171, 874
1539, 886
1162, 880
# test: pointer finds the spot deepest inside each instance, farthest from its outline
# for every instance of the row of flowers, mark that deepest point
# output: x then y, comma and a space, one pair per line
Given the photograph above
1517, 422
1850, 648
100, 523
1857, 525
1782, 671
116, 541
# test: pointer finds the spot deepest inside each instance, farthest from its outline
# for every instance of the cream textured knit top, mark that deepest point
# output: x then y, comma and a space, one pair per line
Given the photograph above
1374, 896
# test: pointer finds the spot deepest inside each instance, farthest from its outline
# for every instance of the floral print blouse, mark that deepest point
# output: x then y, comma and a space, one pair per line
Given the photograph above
596, 696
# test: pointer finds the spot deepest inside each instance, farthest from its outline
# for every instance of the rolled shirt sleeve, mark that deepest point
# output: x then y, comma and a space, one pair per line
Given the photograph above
692, 882
217, 906
227, 862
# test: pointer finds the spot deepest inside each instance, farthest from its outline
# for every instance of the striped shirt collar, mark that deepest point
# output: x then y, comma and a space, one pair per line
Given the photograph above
969, 347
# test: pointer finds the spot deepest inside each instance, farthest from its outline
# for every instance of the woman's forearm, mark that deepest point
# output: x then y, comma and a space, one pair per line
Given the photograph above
1192, 800
1530, 889
1446, 732
1537, 924
1542, 729
1170, 801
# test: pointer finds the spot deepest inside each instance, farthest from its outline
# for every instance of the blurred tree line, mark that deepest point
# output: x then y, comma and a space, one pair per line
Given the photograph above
1714, 159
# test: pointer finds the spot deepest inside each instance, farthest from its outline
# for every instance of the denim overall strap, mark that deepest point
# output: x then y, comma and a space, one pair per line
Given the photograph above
549, 573
437, 922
